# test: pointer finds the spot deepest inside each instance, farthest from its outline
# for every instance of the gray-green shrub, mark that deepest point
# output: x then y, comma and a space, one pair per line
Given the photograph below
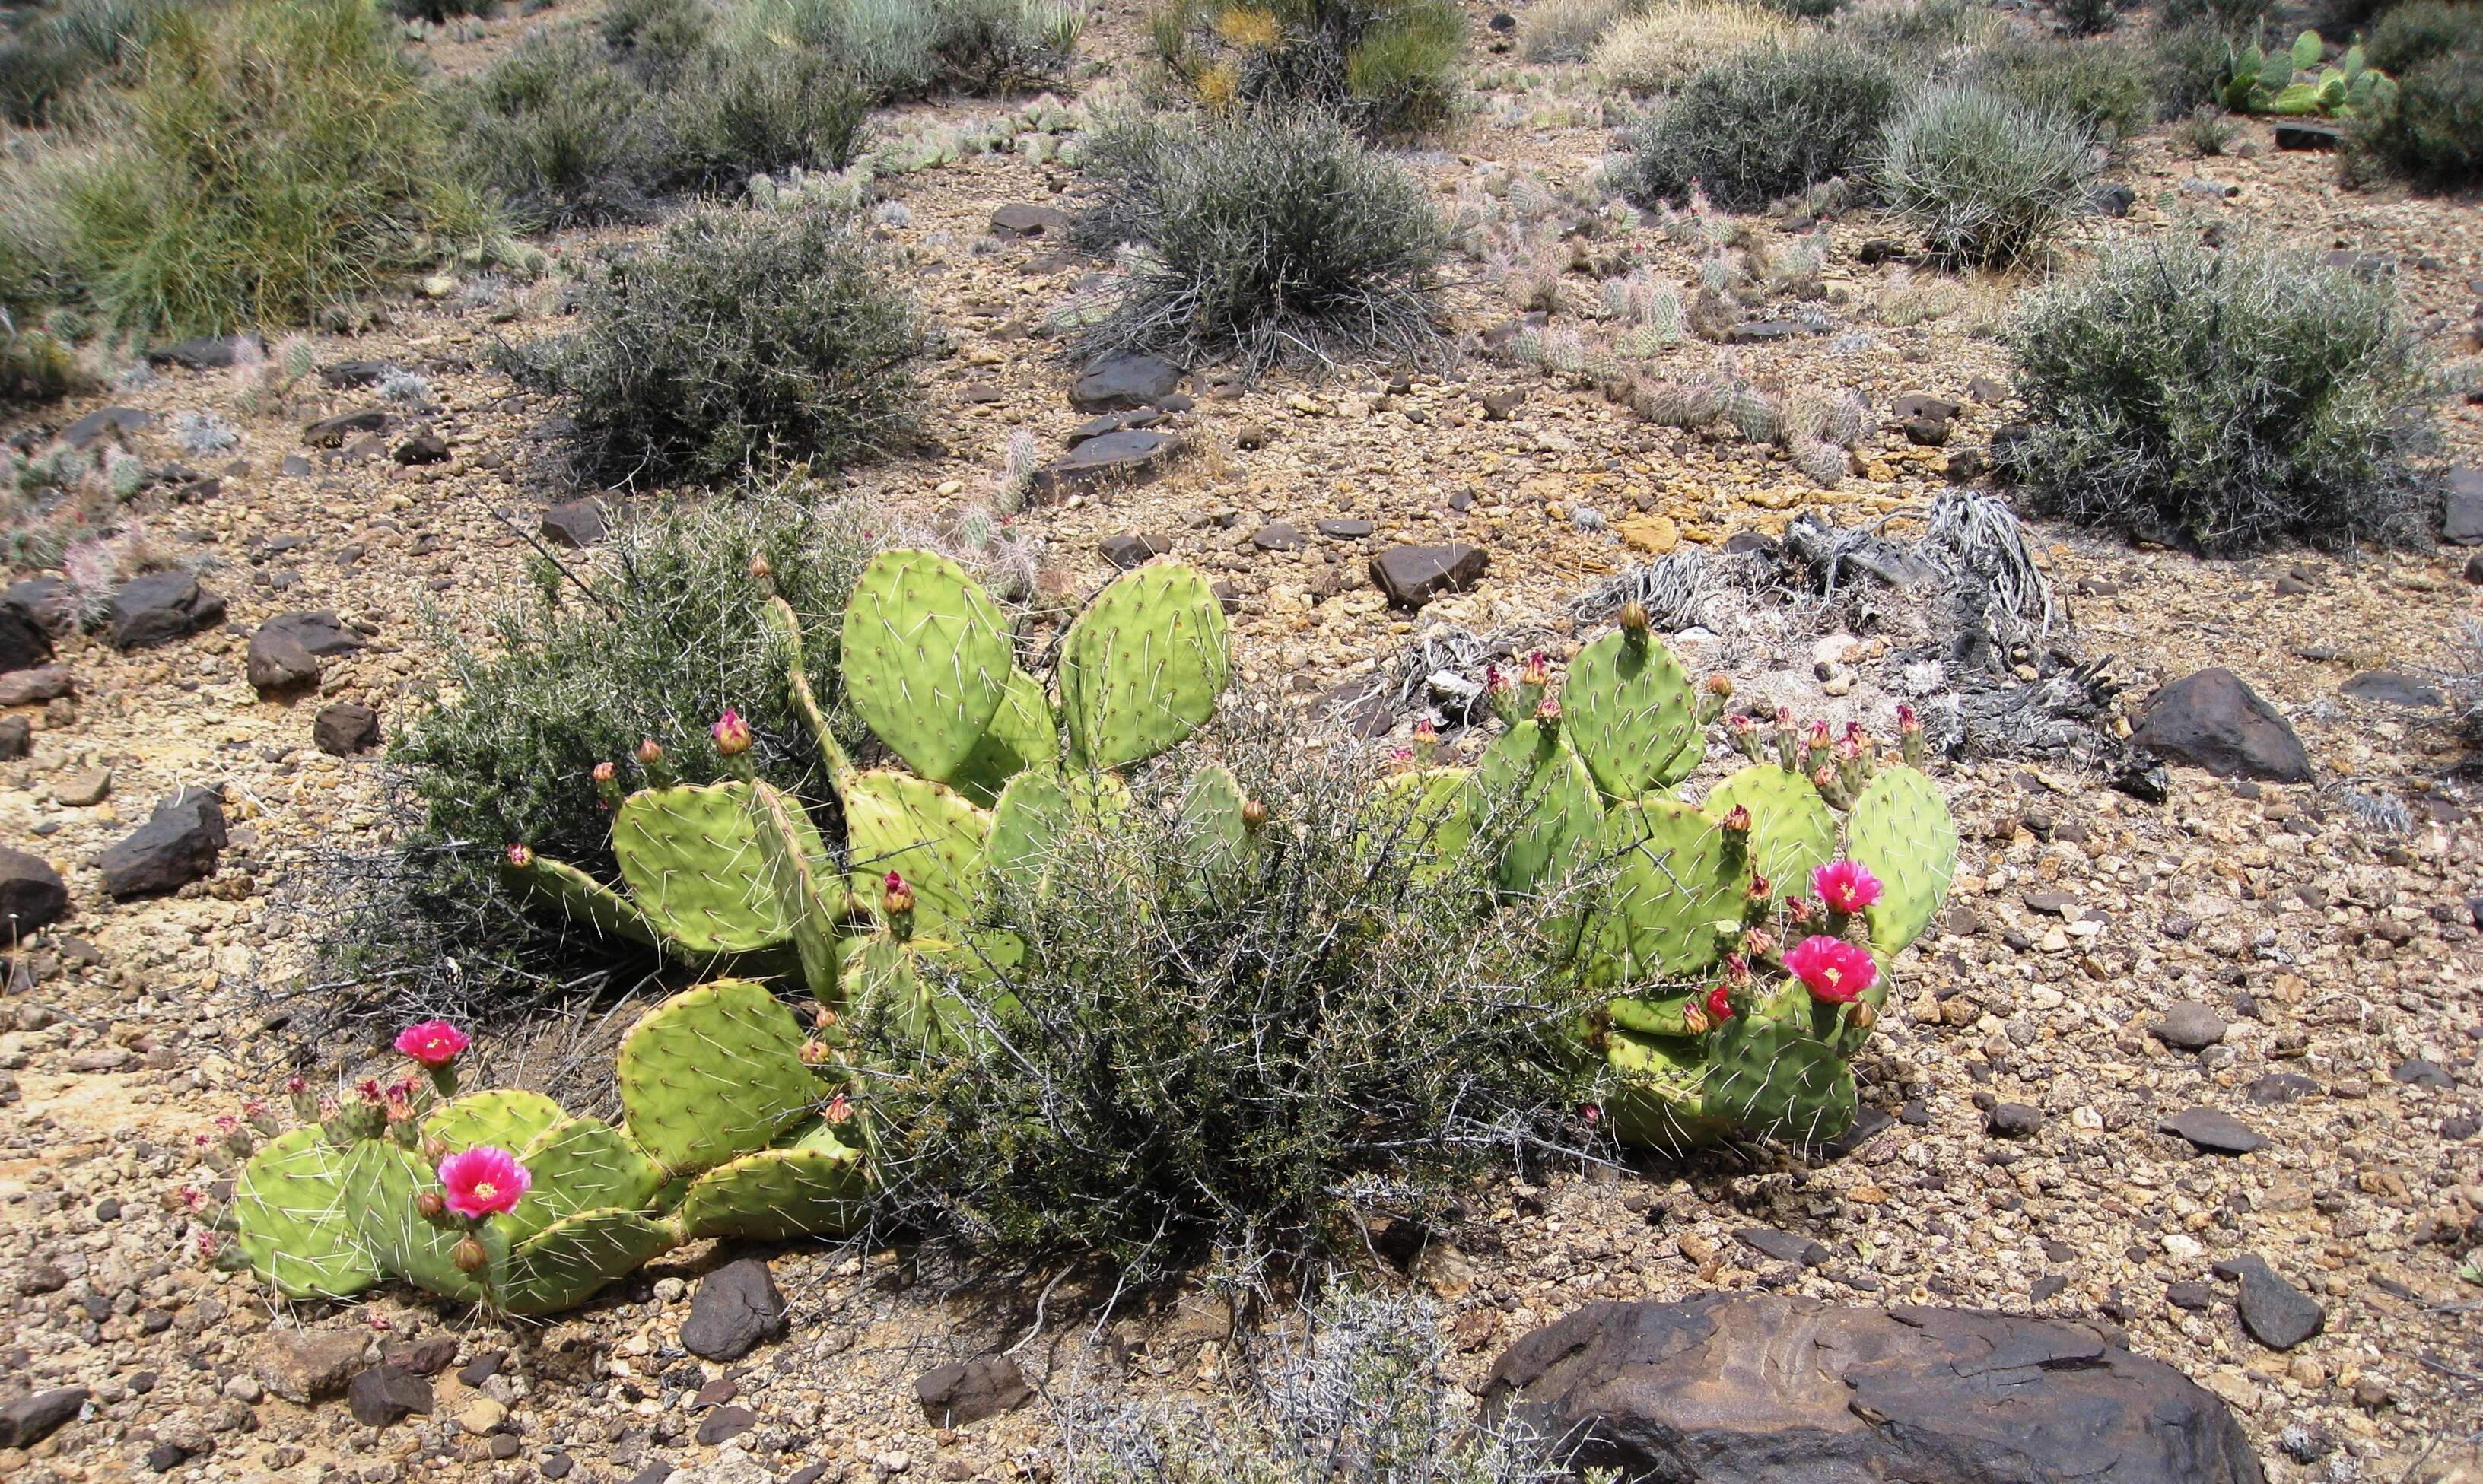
742, 337
1763, 124
2413, 33
562, 133
1986, 178
1267, 238
2431, 134
2106, 86
907, 49
2224, 400
1388, 67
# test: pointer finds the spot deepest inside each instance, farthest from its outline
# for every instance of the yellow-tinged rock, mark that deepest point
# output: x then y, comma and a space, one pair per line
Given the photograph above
1654, 535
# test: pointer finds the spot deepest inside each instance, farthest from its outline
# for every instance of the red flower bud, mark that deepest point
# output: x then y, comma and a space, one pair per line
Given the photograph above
522, 857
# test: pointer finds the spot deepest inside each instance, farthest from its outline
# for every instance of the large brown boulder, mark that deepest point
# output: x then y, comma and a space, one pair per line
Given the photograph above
1760, 1388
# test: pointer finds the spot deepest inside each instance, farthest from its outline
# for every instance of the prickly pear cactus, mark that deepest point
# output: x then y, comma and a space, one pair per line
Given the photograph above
817, 1185
383, 1179
1901, 830
926, 658
713, 1073
292, 1220
1427, 811
1025, 733
508, 1118
580, 1164
1676, 893
932, 837
577, 1257
1630, 711
1539, 803
1793, 831
1782, 1070
1141, 668
694, 866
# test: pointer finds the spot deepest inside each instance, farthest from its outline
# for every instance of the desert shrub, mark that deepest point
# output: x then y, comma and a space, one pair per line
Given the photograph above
1926, 28
2224, 400
664, 634
1388, 66
1363, 1397
907, 49
2109, 88
1987, 179
759, 109
658, 38
562, 133
51, 55
1267, 238
274, 157
2204, 133
1233, 1054
2431, 133
740, 335
2192, 64
2087, 17
2412, 35
1808, 10
1565, 30
1769, 123
2224, 17
438, 11
1664, 47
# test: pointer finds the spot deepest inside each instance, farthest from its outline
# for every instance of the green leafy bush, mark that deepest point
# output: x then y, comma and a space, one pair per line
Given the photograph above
2431, 132
562, 133
1765, 125
2109, 88
2412, 35
274, 157
1191, 1060
1388, 66
1986, 178
742, 337
1267, 238
1925, 28
664, 635
2224, 401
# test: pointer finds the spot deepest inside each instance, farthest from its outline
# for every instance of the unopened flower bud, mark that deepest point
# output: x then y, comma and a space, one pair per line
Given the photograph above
434, 1149
430, 1206
815, 1052
650, 752
1694, 1020
522, 857
1548, 711
604, 772
1719, 685
758, 568
839, 1110
896, 895
469, 1257
1634, 620
1253, 814
731, 735
1737, 820
1537, 670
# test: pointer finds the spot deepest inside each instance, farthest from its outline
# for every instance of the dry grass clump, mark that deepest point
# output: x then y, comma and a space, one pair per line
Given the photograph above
1663, 46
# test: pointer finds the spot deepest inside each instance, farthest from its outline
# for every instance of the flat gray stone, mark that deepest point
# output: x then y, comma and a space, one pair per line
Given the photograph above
1130, 457
2213, 1130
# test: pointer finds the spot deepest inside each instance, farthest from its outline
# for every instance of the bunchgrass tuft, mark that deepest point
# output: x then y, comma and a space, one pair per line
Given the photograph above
1986, 178
2224, 401
1765, 124
1387, 66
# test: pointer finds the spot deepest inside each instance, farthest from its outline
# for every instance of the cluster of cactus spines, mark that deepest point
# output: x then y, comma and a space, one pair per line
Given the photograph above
726, 1132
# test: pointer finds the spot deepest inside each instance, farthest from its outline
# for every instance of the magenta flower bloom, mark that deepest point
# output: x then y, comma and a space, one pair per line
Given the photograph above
1845, 886
433, 1043
1832, 968
483, 1181
731, 735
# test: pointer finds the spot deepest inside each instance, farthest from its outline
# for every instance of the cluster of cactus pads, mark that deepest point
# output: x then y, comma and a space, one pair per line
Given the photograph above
1704, 931
727, 1130
1733, 999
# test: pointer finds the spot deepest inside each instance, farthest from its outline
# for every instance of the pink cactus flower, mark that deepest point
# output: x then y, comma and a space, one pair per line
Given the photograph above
1719, 1005
1845, 886
731, 735
522, 856
432, 1042
1832, 968
368, 1089
483, 1181
1537, 670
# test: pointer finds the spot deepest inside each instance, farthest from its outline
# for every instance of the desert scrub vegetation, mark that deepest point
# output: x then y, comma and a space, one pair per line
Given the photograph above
1388, 67
272, 158
1663, 46
1240, 1055
2430, 132
1765, 124
1566, 30
902, 50
645, 642
740, 337
46, 59
1360, 1394
1987, 179
2225, 400
2108, 86
1275, 237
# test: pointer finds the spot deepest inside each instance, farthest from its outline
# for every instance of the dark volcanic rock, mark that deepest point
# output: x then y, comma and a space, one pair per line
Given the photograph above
2188, 1026
47, 599
1133, 457
1413, 575
1120, 382
34, 687
2278, 1314
2389, 688
30, 1419
333, 432
30, 894
2462, 516
578, 523
210, 353
344, 728
177, 845
384, 1393
2213, 1130
2211, 720
285, 651
964, 1391
1131, 548
735, 1309
160, 608
1759, 1388
1018, 219
16, 737
103, 423
24, 642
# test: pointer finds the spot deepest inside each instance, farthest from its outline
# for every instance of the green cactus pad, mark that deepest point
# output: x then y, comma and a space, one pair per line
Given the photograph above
1142, 667
582, 1164
926, 658
1027, 821
695, 867
1215, 838
575, 1258
1659, 1015
1538, 803
932, 837
1793, 831
382, 1179
1023, 734
509, 1118
818, 1187
291, 1219
810, 896
1779, 1072
1427, 811
1630, 711
564, 891
1654, 1098
787, 629
1902, 832
910, 983
711, 1074
1676, 880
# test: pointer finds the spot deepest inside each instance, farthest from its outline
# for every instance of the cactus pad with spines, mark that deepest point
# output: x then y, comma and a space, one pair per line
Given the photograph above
1215, 838
291, 1220
573, 1258
1793, 831
1024, 734
1675, 879
1630, 711
1655, 1099
926, 658
382, 1179
1901, 830
816, 1186
695, 867
713, 1073
508, 1118
567, 892
1429, 811
1781, 1072
930, 834
1539, 803
1141, 668
580, 1164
